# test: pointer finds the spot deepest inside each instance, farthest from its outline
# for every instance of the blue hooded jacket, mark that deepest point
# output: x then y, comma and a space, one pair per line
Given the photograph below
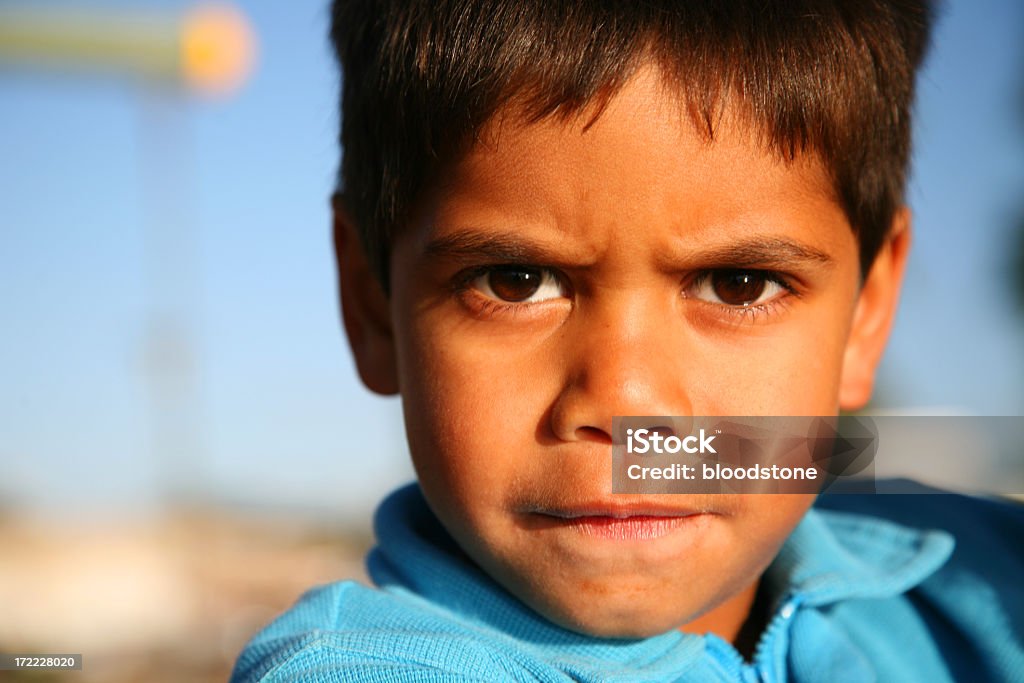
867, 588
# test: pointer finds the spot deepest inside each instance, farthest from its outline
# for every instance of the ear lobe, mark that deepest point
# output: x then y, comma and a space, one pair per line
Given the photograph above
874, 315
365, 308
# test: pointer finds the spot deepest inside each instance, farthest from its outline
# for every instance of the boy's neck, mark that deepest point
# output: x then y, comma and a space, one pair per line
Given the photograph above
739, 620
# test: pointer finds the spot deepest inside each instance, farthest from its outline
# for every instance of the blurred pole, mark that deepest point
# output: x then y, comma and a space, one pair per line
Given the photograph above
171, 363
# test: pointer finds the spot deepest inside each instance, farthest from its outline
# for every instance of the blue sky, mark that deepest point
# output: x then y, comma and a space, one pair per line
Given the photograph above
92, 169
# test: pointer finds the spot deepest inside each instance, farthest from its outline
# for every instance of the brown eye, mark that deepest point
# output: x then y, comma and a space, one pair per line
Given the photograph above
737, 288
514, 284
518, 284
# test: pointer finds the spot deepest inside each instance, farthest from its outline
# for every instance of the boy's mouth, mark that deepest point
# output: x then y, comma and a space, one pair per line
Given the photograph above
634, 528
618, 522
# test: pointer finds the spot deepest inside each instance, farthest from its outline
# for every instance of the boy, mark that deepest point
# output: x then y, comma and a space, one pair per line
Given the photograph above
557, 213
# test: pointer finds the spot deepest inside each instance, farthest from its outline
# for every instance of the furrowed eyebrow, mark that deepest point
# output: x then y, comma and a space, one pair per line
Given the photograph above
764, 252
761, 252
468, 245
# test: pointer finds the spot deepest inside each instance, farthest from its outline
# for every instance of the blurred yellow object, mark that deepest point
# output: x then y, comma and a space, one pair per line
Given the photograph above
217, 48
210, 49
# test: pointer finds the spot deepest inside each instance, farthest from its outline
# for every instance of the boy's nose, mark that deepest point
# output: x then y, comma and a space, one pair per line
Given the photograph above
619, 361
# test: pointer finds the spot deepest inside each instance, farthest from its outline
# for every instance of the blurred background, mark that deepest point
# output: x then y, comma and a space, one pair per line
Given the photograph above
184, 444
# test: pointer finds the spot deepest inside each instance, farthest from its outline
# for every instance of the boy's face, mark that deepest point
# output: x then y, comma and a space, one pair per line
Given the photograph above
560, 276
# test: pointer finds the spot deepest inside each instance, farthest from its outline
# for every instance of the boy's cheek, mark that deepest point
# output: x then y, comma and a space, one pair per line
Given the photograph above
470, 389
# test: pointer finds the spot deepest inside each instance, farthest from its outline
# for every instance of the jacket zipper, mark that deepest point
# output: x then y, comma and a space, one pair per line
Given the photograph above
761, 669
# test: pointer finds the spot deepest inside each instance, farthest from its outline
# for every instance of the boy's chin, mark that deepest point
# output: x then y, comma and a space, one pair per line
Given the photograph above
621, 615
628, 623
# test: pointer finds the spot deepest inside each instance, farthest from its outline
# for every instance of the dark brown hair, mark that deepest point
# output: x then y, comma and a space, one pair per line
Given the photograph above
421, 78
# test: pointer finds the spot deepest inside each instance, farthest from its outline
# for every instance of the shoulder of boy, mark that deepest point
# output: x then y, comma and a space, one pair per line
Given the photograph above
375, 642
987, 562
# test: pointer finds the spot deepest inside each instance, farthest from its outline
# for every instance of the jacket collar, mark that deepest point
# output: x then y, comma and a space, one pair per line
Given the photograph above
833, 556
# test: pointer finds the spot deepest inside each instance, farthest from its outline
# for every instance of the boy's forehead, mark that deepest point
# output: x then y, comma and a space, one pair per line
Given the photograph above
648, 122
638, 154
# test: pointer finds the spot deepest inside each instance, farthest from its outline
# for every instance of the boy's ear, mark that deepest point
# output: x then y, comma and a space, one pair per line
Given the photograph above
364, 307
874, 314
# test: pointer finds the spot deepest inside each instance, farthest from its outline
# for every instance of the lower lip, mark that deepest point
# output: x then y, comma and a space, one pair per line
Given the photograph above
637, 528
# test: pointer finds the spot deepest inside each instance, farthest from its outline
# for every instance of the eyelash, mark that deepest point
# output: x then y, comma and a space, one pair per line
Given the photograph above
487, 307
